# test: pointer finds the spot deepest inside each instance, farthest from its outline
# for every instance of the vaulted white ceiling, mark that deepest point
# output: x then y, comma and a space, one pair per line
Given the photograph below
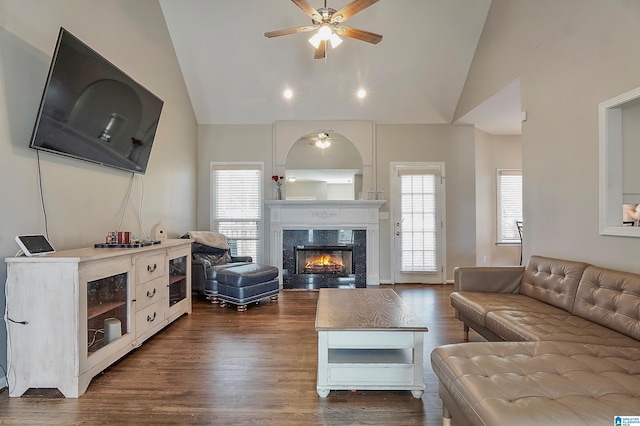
235, 75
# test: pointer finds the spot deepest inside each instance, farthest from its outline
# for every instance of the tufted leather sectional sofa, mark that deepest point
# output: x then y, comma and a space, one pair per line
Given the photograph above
563, 346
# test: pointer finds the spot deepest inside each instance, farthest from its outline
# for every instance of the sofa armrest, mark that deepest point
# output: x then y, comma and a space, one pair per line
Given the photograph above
492, 279
199, 274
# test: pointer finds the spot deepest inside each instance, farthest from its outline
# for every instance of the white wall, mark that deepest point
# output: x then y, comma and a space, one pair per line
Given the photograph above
570, 55
454, 145
221, 143
492, 153
83, 200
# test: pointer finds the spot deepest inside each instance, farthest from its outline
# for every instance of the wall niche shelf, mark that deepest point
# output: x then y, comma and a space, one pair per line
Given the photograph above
618, 136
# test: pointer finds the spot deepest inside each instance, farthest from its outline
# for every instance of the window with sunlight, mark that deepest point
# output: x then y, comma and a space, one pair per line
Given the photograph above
236, 206
509, 209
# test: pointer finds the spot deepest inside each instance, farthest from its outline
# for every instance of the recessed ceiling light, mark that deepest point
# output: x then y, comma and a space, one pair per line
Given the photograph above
288, 94
362, 93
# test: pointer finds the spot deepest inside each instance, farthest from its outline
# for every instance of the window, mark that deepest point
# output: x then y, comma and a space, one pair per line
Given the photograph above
236, 206
509, 210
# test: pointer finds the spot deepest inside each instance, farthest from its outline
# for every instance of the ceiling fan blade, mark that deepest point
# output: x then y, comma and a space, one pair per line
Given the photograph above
287, 31
351, 9
321, 50
308, 9
367, 36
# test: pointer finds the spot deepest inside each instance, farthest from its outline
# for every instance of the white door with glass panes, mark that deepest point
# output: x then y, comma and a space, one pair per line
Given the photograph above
417, 194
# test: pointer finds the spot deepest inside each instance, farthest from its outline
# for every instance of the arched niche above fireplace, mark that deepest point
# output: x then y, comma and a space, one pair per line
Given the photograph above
323, 165
359, 133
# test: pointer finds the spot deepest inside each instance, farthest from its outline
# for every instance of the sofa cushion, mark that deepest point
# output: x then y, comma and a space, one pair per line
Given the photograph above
561, 326
476, 305
539, 383
553, 281
610, 298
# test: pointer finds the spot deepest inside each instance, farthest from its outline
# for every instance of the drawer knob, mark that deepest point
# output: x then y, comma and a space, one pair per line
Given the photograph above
152, 268
150, 319
151, 294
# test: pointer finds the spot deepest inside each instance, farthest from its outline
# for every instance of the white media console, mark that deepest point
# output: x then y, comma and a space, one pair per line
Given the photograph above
73, 313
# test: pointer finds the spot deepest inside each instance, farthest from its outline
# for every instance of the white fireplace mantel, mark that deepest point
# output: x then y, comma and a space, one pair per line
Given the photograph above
327, 214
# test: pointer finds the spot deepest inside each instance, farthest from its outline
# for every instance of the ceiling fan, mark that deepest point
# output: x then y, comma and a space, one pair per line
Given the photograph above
322, 139
328, 23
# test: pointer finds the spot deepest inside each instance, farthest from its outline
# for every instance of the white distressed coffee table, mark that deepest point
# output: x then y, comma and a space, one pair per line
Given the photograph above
368, 339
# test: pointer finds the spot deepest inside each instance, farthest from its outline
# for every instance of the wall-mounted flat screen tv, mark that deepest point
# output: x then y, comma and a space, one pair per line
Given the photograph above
93, 111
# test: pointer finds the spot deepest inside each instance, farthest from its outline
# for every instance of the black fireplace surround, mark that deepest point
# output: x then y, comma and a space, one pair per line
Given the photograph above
348, 248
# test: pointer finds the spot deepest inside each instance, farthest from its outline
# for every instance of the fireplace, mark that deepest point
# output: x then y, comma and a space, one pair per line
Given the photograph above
324, 258
335, 223
331, 260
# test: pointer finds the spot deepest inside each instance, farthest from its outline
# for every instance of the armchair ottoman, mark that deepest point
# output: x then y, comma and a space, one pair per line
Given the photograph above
241, 284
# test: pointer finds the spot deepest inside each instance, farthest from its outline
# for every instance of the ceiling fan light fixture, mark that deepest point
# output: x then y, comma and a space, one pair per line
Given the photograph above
325, 32
315, 40
323, 144
335, 40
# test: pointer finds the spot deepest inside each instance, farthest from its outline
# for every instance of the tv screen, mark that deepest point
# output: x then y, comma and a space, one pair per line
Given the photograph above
93, 111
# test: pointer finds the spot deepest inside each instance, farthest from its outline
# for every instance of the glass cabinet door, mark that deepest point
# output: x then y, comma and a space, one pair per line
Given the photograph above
177, 280
107, 310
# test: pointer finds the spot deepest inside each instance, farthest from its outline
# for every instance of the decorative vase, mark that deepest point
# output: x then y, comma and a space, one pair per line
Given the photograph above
278, 193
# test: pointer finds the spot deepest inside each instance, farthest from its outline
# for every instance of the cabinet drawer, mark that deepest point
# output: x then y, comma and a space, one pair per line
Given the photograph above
149, 268
149, 293
150, 317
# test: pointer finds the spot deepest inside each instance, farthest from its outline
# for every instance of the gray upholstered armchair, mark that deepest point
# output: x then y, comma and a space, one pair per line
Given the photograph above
210, 252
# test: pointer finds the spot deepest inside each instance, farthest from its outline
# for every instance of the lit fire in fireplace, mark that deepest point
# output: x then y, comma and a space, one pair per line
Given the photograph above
324, 264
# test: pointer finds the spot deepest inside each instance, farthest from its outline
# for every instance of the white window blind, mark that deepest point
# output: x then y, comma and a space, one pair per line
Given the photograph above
236, 206
418, 229
509, 209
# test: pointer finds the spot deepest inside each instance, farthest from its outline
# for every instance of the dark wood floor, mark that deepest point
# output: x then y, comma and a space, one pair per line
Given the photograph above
222, 367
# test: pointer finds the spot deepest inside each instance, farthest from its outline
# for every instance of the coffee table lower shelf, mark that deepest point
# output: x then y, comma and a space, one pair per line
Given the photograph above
370, 360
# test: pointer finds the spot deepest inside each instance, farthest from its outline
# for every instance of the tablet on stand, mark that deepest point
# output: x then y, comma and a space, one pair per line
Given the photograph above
34, 245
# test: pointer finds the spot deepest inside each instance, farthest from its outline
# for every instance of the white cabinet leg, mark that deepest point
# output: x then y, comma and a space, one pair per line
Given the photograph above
417, 393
